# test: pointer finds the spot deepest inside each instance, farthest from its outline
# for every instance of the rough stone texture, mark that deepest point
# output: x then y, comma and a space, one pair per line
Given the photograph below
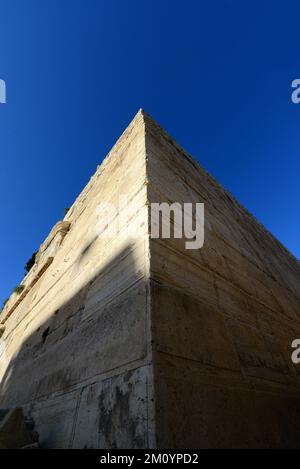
13, 430
138, 342
223, 318
77, 352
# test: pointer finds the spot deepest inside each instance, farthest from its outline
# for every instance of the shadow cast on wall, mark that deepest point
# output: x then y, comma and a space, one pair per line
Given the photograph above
83, 375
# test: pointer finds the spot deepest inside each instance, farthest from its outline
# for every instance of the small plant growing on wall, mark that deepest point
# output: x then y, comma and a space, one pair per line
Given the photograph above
30, 263
19, 289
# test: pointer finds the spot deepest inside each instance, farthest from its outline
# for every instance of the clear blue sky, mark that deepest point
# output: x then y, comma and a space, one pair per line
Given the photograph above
216, 74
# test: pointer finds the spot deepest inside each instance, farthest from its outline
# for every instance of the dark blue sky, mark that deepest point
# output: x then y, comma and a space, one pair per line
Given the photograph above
216, 74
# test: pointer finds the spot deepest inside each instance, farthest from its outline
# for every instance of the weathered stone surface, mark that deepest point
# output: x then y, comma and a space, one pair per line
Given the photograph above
223, 318
139, 342
83, 327
13, 430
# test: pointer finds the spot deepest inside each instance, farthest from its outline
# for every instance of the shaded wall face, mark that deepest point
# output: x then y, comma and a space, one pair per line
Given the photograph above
77, 354
223, 319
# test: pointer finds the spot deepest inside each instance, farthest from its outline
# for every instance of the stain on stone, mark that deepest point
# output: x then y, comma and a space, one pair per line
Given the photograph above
127, 376
117, 422
87, 247
45, 334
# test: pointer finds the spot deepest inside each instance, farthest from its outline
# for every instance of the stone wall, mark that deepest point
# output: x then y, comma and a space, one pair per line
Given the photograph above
78, 355
223, 318
138, 342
